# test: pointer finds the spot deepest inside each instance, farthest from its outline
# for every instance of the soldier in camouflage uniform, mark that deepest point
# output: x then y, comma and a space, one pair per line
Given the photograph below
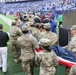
48, 59
31, 16
32, 28
27, 44
42, 30
27, 22
18, 21
50, 35
15, 32
74, 51
36, 33
73, 70
71, 44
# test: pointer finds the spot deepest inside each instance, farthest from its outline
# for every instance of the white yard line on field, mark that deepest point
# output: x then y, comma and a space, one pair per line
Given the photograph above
7, 20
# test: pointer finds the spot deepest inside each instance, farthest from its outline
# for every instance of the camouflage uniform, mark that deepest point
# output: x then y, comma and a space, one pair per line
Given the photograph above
50, 35
27, 24
71, 45
73, 70
41, 35
28, 44
48, 60
15, 32
36, 32
74, 51
18, 22
32, 28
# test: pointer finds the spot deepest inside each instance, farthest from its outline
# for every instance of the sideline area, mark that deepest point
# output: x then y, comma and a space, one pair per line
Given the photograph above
7, 20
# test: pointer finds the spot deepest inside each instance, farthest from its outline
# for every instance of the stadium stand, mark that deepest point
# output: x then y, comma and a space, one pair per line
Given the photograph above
45, 5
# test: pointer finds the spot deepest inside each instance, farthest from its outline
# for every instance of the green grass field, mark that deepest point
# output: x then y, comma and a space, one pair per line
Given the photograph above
15, 68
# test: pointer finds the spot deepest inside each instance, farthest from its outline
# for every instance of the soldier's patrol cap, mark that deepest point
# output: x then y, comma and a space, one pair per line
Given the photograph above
46, 25
31, 24
25, 28
41, 24
44, 42
16, 18
18, 24
37, 25
27, 24
13, 23
73, 27
74, 50
30, 12
26, 19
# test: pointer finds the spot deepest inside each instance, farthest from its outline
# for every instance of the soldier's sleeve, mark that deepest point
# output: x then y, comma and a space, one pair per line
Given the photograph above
72, 71
55, 59
41, 36
34, 43
18, 41
70, 46
54, 39
21, 22
19, 32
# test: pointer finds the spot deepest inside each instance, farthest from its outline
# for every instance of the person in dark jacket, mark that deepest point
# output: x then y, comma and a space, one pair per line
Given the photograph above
3, 49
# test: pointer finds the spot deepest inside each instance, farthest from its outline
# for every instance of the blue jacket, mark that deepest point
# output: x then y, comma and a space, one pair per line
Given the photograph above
53, 25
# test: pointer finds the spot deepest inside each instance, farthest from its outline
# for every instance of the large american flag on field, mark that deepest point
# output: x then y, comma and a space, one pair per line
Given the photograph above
65, 57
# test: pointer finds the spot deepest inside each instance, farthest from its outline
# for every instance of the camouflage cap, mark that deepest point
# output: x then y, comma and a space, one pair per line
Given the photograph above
73, 27
16, 17
30, 12
27, 24
31, 24
26, 19
45, 42
37, 25
41, 24
74, 50
13, 23
46, 25
24, 28
18, 24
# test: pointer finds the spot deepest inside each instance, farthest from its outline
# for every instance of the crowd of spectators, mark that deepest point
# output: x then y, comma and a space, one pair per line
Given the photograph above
45, 5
